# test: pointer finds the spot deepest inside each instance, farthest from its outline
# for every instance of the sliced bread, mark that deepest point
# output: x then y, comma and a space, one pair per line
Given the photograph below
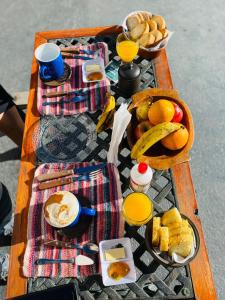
160, 22
132, 22
146, 40
139, 30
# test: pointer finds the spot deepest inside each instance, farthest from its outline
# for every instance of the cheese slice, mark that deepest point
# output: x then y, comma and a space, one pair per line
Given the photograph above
113, 254
93, 68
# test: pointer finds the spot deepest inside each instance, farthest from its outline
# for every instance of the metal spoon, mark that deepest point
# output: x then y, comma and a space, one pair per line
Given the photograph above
80, 260
89, 248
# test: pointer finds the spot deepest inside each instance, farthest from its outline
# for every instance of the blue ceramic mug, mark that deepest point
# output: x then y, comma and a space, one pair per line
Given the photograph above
50, 60
63, 209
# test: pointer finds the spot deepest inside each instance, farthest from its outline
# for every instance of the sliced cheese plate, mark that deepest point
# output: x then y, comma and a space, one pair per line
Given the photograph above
115, 251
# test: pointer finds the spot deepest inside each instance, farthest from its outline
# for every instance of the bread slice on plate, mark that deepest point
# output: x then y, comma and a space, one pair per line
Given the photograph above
139, 30
146, 40
132, 22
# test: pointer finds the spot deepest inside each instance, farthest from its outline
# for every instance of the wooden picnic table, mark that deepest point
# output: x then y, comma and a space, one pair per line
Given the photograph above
200, 269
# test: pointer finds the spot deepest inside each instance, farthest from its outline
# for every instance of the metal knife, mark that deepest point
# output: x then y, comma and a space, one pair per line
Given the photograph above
63, 173
61, 181
75, 99
81, 92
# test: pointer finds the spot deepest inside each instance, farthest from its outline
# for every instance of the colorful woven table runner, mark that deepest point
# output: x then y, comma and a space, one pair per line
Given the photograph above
104, 194
96, 91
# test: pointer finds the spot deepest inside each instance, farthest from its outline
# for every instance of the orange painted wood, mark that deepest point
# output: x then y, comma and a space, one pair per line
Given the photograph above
17, 284
200, 267
202, 277
69, 33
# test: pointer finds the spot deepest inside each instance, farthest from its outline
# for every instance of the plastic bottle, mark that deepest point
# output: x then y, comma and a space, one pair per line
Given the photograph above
140, 177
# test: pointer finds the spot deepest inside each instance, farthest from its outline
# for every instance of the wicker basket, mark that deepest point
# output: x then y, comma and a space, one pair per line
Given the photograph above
157, 156
144, 52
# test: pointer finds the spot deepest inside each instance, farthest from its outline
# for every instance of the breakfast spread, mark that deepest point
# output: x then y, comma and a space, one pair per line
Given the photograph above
172, 234
146, 29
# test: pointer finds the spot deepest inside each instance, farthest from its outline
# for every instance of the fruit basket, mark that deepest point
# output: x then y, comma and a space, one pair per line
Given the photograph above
158, 157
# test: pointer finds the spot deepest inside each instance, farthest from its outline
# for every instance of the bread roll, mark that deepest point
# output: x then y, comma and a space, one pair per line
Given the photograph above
152, 25
141, 17
155, 231
157, 34
132, 22
171, 216
164, 32
139, 30
160, 22
146, 16
146, 40
164, 239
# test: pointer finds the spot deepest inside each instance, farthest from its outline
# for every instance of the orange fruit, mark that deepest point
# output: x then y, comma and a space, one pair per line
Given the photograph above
177, 139
161, 111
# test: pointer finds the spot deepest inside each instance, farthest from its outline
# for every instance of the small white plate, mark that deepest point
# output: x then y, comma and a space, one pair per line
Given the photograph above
97, 61
109, 244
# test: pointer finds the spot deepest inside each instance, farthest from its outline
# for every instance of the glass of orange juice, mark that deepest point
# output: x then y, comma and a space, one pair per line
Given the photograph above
127, 50
129, 73
137, 209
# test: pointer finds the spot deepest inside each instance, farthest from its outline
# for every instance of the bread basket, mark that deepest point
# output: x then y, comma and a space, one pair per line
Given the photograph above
157, 156
156, 48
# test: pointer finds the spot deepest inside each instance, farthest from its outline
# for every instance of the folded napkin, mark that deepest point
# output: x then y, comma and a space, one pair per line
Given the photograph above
104, 194
96, 95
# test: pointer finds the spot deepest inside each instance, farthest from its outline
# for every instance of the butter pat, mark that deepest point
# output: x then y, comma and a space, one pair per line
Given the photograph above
113, 254
93, 68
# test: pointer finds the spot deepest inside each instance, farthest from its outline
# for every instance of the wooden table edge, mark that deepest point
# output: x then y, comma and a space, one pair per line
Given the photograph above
17, 284
201, 272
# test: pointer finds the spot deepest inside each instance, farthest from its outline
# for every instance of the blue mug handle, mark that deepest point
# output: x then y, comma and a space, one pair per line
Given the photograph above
88, 211
43, 73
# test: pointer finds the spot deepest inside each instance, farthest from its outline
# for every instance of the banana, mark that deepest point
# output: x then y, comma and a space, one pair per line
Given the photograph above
107, 114
152, 136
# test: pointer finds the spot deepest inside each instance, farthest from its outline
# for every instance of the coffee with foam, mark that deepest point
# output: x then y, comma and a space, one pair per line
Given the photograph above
61, 209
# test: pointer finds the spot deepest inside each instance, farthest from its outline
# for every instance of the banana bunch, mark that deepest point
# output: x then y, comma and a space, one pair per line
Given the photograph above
152, 136
107, 115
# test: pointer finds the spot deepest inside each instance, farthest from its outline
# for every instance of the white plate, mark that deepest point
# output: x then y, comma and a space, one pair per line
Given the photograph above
97, 61
109, 244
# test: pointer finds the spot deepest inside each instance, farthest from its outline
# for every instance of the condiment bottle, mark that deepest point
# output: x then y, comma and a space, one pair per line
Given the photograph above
140, 177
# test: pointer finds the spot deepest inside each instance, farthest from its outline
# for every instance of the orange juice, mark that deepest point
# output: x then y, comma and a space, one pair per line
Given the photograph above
127, 50
137, 209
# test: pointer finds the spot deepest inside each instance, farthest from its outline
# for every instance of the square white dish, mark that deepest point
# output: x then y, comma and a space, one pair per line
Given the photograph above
109, 244
97, 61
